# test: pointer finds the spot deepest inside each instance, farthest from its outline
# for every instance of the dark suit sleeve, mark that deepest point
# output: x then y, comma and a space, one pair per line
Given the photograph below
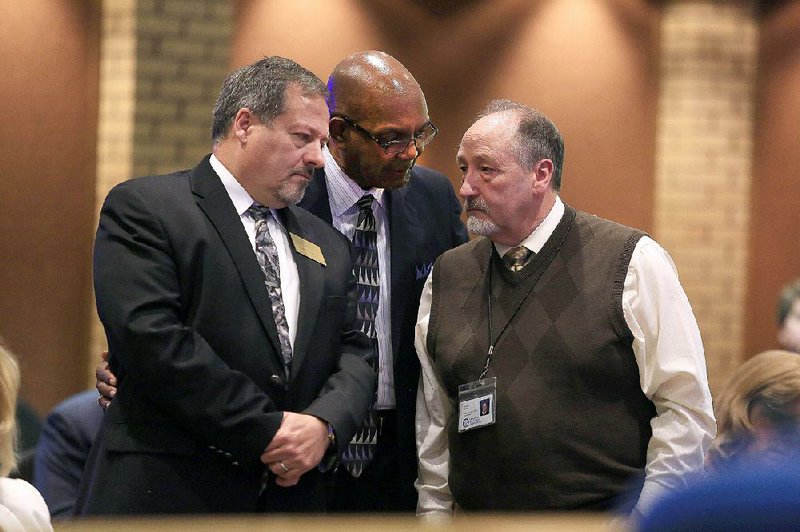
169, 374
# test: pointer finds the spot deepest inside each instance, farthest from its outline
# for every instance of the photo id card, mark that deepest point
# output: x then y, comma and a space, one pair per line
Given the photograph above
476, 404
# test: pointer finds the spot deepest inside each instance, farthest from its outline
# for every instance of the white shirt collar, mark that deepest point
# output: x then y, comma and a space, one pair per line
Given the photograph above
343, 191
541, 233
239, 196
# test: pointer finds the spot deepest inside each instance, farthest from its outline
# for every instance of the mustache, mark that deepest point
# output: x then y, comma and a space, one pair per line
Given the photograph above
304, 170
476, 203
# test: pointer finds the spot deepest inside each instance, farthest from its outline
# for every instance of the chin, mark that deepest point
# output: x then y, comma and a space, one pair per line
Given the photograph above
293, 196
479, 226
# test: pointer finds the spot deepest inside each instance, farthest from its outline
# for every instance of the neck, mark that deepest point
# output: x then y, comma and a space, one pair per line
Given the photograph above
517, 235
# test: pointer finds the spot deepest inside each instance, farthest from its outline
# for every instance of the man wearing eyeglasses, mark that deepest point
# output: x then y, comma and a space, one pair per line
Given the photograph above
379, 126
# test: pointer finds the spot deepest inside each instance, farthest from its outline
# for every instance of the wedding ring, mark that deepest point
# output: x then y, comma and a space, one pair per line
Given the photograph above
285, 469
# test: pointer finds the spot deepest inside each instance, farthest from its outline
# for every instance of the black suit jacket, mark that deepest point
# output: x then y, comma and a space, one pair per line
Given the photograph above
193, 343
424, 222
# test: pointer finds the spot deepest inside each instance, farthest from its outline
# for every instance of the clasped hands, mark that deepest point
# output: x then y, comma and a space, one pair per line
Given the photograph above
297, 447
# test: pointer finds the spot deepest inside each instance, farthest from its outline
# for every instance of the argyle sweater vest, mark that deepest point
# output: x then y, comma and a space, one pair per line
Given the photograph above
572, 422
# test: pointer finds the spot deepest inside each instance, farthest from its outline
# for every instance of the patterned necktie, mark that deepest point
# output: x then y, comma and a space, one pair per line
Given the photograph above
516, 258
361, 448
267, 255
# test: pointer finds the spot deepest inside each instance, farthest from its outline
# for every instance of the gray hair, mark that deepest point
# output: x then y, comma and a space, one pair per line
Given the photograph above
261, 87
537, 136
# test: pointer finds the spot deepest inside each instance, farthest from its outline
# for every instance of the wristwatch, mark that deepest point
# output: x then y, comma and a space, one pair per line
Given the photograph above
331, 456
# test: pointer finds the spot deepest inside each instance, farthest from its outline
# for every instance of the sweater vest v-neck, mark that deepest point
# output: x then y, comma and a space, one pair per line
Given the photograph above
572, 422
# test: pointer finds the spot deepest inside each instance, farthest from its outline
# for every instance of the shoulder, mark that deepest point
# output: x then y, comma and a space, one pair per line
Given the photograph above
171, 181
608, 231
151, 190
427, 179
77, 410
478, 248
610, 225
22, 506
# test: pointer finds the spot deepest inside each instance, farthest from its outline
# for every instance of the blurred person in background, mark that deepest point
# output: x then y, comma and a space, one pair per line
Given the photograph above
64, 445
788, 314
758, 413
753, 465
22, 508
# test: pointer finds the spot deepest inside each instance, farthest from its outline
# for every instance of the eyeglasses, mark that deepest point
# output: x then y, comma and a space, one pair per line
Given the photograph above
396, 146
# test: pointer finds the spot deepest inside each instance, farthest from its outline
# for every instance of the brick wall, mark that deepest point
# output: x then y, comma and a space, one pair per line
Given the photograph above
703, 164
161, 65
182, 53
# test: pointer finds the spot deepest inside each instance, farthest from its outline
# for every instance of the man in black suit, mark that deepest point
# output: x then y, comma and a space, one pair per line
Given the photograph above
230, 392
379, 126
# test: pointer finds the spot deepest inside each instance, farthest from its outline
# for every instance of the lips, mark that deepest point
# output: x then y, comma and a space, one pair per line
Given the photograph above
400, 171
302, 173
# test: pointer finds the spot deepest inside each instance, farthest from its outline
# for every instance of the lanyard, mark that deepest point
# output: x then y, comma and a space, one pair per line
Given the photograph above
549, 250
494, 342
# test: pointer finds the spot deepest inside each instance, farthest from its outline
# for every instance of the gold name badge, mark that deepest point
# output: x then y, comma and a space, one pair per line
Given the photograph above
307, 249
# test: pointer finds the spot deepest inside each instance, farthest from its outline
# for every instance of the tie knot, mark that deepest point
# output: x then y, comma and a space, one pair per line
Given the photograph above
258, 212
365, 202
516, 258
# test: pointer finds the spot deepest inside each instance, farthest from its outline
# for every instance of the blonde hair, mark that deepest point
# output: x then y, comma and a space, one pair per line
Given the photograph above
9, 387
771, 376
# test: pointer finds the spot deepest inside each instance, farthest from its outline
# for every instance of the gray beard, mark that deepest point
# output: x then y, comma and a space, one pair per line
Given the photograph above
481, 227
291, 195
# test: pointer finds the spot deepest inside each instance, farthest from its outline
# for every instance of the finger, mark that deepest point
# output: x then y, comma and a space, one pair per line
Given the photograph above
105, 390
103, 402
103, 374
276, 469
104, 355
286, 482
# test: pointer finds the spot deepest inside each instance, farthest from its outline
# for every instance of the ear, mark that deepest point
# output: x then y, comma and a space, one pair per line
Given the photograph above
542, 175
242, 123
336, 127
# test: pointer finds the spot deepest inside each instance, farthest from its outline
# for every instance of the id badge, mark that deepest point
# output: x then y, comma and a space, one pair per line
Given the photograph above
476, 404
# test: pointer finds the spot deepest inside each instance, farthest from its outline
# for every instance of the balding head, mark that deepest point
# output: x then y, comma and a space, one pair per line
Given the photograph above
374, 100
364, 79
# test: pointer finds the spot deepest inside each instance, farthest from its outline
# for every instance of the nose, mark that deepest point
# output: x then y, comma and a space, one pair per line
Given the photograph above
466, 190
412, 151
313, 156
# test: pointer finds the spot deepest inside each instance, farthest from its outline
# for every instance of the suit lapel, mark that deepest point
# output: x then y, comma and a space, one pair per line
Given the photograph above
316, 199
403, 220
213, 199
311, 287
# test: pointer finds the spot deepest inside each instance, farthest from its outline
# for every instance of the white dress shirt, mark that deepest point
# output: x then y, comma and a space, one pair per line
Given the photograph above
343, 193
290, 280
22, 508
672, 374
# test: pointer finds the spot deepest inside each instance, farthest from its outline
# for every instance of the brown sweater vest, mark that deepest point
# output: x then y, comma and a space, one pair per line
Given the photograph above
572, 422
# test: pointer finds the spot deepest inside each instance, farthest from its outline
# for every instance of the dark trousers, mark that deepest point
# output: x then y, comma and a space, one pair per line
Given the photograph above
380, 487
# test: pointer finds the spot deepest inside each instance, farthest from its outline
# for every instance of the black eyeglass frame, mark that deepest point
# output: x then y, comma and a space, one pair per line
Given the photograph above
388, 144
